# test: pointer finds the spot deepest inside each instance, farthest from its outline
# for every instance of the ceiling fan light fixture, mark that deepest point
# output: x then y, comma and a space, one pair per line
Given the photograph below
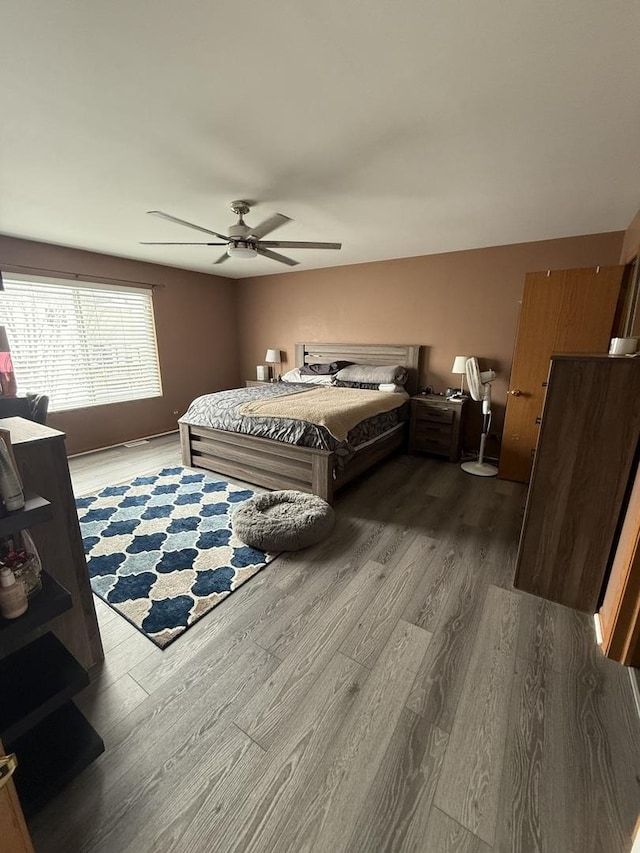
241, 240
241, 250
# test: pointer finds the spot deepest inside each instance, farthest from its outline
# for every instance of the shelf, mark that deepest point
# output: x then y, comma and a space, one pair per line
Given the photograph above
35, 511
37, 680
51, 601
52, 754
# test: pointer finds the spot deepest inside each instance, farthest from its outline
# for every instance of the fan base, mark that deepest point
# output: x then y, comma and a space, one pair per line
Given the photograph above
480, 469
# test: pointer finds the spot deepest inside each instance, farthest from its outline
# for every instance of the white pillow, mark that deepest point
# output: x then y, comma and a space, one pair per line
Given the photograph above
308, 378
392, 388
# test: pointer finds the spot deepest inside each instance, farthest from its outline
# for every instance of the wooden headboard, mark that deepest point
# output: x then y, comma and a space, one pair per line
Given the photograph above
407, 355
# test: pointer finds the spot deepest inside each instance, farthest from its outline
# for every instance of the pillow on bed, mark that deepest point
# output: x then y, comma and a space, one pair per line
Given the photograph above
389, 387
368, 386
326, 369
310, 379
370, 374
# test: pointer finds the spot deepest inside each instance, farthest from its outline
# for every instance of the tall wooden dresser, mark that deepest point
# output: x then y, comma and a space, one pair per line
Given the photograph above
581, 480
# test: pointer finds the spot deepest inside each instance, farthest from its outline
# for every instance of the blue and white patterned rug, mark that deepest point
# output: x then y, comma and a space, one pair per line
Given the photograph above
160, 550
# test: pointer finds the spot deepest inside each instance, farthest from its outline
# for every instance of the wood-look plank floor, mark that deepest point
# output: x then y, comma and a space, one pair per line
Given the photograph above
386, 690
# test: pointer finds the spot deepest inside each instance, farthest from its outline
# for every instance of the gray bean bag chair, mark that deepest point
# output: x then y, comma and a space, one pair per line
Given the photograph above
282, 521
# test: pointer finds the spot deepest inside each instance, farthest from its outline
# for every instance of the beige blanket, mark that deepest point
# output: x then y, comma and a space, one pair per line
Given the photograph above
337, 409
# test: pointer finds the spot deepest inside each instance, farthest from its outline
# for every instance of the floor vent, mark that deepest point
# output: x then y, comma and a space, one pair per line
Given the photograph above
137, 443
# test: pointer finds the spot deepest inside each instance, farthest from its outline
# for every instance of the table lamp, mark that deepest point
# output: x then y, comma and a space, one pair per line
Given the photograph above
274, 356
460, 366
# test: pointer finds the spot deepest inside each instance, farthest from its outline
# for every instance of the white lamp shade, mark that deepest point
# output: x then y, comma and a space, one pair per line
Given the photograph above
460, 364
273, 356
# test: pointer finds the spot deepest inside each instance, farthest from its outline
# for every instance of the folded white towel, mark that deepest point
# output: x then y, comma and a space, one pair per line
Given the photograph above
391, 388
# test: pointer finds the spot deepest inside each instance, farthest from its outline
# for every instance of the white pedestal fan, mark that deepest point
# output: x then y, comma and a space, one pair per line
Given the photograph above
480, 389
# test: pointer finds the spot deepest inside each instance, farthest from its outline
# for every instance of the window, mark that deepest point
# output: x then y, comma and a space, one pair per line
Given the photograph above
82, 344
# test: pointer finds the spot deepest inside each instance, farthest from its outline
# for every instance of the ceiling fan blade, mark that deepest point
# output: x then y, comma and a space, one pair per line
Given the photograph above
289, 245
269, 225
222, 259
146, 243
175, 219
276, 257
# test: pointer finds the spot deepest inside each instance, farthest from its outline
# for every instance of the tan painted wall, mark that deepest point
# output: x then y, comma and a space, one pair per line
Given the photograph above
630, 251
631, 241
454, 304
460, 303
197, 341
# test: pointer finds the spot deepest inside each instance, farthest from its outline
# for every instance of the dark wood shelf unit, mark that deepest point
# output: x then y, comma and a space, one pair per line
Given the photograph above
35, 511
51, 754
38, 679
40, 672
52, 600
41, 459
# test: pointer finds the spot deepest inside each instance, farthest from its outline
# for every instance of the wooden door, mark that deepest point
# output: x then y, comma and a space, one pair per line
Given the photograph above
13, 829
562, 311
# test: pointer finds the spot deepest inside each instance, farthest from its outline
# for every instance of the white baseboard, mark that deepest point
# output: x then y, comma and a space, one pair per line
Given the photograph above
636, 839
634, 675
123, 443
598, 627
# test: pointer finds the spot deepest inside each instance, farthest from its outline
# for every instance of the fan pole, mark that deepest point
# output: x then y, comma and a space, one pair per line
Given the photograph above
483, 441
481, 468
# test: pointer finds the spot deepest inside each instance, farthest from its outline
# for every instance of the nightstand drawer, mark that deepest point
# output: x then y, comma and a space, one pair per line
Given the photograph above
431, 428
432, 444
440, 433
434, 414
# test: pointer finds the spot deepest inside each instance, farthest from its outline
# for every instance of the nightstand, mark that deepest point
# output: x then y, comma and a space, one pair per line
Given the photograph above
249, 383
436, 425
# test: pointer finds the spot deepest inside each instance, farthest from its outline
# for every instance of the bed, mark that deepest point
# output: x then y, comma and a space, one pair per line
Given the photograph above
276, 464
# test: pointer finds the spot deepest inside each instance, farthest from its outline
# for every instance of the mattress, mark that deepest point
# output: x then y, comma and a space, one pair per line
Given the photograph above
220, 411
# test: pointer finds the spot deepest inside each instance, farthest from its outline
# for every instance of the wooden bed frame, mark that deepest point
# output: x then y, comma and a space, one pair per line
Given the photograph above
277, 465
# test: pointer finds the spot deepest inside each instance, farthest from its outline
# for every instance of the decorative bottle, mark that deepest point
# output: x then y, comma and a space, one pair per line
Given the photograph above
30, 568
25, 563
13, 598
10, 488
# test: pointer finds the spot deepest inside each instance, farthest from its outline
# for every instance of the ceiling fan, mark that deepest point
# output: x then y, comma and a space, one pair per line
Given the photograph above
243, 241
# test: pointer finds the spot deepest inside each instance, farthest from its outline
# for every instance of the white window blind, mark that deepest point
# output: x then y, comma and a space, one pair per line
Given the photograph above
82, 344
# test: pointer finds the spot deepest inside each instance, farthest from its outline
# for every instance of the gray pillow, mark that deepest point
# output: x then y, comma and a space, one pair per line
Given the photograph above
324, 369
371, 374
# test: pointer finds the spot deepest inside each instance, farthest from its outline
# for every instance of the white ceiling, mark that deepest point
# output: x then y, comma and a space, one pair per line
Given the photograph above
400, 128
